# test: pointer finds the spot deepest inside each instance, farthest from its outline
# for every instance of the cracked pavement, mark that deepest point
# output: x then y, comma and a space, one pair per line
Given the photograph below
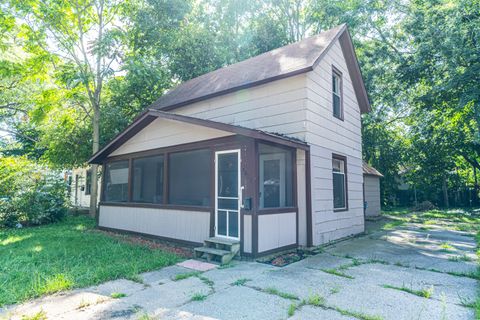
407, 257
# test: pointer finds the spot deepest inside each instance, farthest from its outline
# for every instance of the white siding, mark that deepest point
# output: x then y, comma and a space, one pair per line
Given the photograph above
277, 107
327, 135
301, 198
164, 133
276, 231
247, 233
78, 197
372, 195
193, 226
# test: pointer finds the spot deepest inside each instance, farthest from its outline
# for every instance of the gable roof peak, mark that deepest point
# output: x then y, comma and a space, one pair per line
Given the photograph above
293, 59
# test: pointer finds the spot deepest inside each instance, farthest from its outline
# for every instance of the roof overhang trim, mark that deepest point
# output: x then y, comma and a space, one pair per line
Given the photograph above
151, 114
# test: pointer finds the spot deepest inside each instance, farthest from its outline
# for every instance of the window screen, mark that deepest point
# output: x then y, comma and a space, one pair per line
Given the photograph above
148, 180
190, 178
116, 176
339, 184
276, 177
337, 95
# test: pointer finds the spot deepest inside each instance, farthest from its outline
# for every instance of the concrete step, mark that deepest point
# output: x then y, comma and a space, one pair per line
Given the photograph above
232, 246
213, 254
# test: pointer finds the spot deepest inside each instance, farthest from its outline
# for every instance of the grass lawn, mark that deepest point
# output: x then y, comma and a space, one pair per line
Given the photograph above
69, 254
477, 302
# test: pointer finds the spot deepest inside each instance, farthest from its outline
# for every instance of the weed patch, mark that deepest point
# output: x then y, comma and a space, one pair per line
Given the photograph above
337, 273
183, 276
41, 315
240, 282
117, 295
198, 297
281, 294
425, 293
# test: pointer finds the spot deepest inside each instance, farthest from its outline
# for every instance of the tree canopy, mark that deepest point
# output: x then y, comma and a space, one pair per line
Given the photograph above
71, 68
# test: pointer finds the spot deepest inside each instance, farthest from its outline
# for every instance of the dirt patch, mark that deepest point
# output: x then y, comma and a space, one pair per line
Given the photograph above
284, 259
184, 252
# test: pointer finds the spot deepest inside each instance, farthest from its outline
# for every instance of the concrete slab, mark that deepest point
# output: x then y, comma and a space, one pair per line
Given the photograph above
399, 253
451, 288
163, 275
240, 303
179, 315
315, 313
320, 261
56, 306
223, 278
302, 282
197, 265
393, 304
117, 286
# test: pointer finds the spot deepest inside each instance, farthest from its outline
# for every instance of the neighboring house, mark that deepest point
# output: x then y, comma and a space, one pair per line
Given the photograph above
267, 152
80, 188
371, 180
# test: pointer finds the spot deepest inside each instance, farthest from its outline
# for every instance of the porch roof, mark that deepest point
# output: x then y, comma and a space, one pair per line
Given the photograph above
150, 115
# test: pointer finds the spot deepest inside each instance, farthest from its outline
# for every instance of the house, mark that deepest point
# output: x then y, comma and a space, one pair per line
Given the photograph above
80, 183
266, 152
371, 187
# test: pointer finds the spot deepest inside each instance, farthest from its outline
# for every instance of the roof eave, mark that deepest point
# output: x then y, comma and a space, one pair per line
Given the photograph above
151, 114
237, 88
354, 71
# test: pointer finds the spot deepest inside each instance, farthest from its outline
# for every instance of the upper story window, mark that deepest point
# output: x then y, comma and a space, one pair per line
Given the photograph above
339, 183
337, 91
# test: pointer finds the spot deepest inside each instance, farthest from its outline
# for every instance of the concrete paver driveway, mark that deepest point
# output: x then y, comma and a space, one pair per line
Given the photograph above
406, 273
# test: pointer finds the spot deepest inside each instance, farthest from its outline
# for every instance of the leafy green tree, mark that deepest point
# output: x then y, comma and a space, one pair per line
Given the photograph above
84, 36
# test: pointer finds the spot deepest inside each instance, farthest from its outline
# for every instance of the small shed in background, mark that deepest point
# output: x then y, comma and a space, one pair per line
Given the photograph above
371, 191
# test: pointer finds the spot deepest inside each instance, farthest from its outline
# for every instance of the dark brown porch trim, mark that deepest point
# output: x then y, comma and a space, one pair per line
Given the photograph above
151, 114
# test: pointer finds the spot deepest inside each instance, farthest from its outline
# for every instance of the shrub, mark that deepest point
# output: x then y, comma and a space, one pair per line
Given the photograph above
8, 215
32, 194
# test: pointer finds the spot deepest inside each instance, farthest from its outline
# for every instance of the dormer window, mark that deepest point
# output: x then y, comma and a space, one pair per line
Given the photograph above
337, 91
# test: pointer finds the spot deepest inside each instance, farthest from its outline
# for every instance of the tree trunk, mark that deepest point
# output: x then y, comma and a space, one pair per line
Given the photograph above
445, 192
96, 113
96, 146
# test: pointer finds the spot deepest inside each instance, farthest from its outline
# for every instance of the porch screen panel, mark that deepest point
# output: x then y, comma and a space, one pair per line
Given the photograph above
116, 187
190, 178
276, 177
148, 179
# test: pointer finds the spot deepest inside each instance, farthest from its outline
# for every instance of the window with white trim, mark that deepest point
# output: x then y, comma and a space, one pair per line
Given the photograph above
337, 104
339, 183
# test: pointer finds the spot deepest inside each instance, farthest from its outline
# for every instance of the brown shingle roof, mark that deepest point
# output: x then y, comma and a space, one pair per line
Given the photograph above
283, 62
371, 171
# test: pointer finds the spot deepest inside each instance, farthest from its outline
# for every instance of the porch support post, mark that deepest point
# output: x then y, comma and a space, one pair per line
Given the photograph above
308, 180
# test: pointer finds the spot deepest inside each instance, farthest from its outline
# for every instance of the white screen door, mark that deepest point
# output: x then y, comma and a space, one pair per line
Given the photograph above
228, 194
